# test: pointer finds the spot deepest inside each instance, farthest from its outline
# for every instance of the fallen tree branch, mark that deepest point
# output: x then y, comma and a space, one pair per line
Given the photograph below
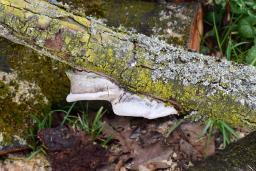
237, 156
137, 63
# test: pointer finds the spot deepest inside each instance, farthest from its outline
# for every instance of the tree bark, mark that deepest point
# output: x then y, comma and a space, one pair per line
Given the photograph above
189, 81
237, 156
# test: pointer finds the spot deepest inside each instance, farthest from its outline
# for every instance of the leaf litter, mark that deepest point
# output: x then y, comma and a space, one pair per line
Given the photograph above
136, 144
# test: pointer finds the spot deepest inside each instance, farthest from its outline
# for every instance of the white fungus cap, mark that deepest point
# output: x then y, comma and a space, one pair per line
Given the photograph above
90, 86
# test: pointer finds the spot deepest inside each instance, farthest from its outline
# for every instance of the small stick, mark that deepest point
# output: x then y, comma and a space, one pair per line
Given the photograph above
14, 150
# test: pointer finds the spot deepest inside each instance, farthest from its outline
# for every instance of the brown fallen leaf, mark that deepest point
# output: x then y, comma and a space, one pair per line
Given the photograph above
204, 145
140, 141
189, 145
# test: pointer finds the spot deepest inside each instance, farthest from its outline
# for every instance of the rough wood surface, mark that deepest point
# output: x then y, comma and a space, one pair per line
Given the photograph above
143, 65
174, 22
237, 156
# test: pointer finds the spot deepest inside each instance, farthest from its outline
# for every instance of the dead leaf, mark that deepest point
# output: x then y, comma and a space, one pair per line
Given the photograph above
143, 142
204, 145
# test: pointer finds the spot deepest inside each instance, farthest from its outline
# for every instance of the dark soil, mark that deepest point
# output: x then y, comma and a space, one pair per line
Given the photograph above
71, 150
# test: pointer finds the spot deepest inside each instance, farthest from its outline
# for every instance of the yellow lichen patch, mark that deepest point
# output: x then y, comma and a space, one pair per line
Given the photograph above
28, 14
15, 12
82, 21
190, 96
14, 3
43, 21
110, 53
143, 80
85, 38
67, 40
71, 26
5, 2
165, 91
217, 106
91, 56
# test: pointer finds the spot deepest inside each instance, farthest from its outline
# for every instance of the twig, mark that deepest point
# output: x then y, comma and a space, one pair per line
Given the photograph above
14, 150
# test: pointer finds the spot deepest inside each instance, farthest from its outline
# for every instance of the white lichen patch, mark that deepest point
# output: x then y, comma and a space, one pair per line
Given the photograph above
90, 86
20, 90
216, 75
171, 33
177, 19
1, 138
19, 139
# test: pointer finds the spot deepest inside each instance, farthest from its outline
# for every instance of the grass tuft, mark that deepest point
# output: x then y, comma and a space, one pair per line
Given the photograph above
225, 129
79, 120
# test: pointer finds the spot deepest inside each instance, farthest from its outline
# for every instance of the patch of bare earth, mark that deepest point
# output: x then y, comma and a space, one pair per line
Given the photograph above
71, 150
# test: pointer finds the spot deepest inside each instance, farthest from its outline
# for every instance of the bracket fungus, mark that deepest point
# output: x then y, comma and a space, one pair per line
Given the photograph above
91, 86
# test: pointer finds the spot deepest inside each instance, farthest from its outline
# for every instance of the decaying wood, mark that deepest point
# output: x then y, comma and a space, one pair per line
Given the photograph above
237, 156
140, 64
196, 30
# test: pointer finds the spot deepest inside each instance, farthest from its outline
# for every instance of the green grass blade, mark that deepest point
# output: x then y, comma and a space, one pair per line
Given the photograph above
216, 32
68, 113
98, 116
174, 126
228, 51
231, 130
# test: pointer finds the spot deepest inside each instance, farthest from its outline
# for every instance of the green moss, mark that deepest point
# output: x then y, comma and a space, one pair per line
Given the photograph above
47, 74
15, 117
95, 7
4, 90
143, 16
233, 157
217, 106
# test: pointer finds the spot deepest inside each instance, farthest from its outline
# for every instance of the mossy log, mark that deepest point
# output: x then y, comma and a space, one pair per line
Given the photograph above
237, 156
140, 64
